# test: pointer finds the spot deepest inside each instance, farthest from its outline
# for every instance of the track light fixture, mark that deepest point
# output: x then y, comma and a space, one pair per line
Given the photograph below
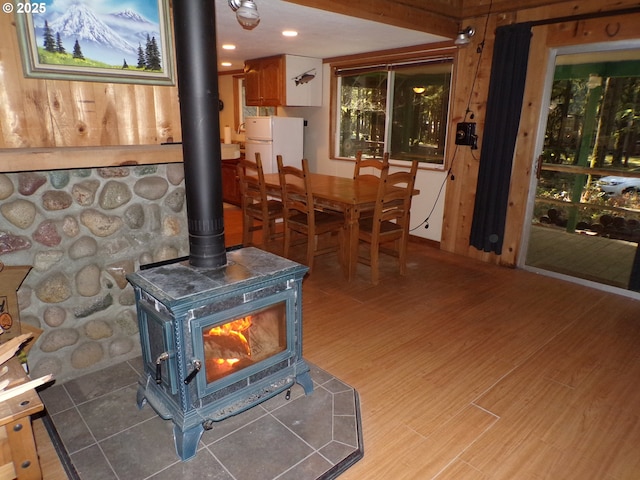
464, 36
246, 13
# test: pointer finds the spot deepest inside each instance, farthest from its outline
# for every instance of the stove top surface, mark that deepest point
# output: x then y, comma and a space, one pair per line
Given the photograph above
175, 282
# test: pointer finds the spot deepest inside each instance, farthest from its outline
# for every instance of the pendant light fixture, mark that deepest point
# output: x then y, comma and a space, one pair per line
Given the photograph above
246, 13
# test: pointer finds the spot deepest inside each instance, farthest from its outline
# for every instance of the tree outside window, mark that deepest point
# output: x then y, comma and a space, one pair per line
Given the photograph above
591, 153
401, 109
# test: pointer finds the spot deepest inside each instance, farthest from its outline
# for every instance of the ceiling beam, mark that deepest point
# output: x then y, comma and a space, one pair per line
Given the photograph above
405, 14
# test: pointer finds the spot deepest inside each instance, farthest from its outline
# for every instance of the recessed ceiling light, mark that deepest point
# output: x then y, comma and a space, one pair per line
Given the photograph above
226, 64
290, 33
228, 46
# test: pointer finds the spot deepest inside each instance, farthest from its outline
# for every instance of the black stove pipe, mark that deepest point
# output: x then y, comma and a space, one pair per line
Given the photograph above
196, 58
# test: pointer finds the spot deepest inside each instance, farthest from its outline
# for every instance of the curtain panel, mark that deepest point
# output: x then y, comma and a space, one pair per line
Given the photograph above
504, 104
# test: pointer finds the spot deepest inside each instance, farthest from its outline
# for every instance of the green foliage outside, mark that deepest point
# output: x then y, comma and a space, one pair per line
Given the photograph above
593, 122
416, 116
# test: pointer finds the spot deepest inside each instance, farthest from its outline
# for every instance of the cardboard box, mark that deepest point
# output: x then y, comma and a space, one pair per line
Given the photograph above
10, 280
36, 332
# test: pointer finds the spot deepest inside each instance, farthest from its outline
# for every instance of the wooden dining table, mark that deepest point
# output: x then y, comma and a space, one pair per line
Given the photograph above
346, 195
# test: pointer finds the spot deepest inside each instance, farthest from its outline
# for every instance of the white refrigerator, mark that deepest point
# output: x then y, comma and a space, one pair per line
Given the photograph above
271, 136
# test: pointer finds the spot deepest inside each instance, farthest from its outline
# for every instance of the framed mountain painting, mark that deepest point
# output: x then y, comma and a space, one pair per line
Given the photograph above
122, 41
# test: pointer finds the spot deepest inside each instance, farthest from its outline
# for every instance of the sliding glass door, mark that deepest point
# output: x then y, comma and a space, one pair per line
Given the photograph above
585, 219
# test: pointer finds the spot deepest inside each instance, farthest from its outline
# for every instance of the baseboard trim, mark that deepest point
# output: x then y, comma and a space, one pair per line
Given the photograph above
424, 241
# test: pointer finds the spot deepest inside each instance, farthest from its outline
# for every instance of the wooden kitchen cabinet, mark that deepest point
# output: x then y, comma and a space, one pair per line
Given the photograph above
230, 185
283, 80
264, 81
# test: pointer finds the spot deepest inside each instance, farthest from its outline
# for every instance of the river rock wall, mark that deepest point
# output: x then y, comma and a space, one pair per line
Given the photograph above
82, 231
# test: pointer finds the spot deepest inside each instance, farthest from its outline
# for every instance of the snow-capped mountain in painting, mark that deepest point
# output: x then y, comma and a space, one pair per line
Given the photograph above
129, 14
82, 24
110, 38
133, 27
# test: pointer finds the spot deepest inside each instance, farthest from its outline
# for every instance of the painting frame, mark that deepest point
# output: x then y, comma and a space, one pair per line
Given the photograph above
33, 67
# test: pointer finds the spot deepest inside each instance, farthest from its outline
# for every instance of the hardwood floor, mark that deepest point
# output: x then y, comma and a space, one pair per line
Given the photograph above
50, 464
472, 371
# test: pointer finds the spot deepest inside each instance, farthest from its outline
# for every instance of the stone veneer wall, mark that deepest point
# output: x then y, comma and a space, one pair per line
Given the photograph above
82, 231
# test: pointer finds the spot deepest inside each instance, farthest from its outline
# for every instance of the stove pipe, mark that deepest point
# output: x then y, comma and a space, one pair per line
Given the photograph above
196, 58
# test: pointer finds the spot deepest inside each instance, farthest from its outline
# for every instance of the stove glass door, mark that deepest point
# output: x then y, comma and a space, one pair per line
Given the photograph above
244, 340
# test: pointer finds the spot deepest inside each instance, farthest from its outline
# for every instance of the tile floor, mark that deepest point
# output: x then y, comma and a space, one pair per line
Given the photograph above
107, 437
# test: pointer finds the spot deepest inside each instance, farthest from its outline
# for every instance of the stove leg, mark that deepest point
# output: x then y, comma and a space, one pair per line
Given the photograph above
141, 399
304, 379
187, 441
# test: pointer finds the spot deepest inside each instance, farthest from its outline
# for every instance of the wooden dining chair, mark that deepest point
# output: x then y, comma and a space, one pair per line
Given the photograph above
387, 231
256, 206
301, 216
378, 164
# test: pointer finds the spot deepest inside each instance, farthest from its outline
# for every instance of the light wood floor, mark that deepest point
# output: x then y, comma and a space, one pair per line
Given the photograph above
49, 462
472, 371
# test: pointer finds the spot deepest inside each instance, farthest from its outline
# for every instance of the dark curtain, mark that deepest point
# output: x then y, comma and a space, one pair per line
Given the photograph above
504, 103
634, 278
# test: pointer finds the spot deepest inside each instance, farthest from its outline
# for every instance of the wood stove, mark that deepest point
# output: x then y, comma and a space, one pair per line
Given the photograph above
220, 331
217, 341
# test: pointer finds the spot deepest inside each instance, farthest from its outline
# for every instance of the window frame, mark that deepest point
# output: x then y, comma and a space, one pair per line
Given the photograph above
388, 60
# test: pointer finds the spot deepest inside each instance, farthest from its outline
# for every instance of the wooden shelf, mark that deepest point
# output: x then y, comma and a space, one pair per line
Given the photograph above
18, 455
60, 158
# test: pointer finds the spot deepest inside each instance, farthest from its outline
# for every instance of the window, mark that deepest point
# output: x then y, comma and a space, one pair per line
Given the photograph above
241, 110
400, 108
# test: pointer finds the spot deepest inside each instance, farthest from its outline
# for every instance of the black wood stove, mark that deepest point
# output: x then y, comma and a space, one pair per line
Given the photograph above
220, 331
217, 341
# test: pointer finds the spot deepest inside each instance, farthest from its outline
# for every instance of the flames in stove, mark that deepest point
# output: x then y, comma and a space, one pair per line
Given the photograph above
243, 341
225, 346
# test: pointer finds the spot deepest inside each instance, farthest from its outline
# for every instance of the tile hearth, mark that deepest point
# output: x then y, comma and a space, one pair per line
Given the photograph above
107, 437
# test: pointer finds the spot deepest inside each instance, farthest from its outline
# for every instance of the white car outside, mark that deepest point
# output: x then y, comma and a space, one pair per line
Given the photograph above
612, 185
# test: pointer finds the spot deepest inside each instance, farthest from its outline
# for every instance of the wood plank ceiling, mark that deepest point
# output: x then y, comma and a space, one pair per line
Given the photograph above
440, 17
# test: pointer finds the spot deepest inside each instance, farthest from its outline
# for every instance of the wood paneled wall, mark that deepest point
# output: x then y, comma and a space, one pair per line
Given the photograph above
36, 113
470, 94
